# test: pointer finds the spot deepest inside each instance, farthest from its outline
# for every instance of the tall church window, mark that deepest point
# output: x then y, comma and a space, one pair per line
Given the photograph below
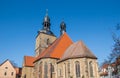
91, 69
40, 70
51, 69
68, 69
45, 70
60, 72
77, 68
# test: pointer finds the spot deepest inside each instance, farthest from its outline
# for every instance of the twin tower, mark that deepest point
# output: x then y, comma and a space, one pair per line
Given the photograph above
45, 36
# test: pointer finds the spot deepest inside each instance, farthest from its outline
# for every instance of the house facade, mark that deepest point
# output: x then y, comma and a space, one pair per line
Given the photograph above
7, 70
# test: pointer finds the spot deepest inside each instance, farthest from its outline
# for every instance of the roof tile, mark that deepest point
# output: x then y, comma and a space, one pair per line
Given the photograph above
29, 61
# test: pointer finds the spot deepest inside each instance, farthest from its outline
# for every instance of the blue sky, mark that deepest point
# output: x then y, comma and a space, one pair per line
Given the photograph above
88, 20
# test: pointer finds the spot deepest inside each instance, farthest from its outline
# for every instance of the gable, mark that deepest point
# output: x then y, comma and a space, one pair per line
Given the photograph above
7, 65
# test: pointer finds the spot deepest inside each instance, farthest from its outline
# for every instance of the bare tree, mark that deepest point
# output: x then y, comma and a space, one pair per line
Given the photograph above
115, 53
116, 46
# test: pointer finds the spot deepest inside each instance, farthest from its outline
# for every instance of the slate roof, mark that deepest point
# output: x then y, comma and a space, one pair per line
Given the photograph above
76, 50
57, 49
28, 61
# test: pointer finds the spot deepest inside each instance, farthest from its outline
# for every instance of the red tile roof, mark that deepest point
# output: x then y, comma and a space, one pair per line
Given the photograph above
78, 49
57, 49
106, 65
28, 61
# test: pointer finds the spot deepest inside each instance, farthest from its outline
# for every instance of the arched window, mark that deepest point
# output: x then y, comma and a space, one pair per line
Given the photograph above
45, 70
91, 69
77, 69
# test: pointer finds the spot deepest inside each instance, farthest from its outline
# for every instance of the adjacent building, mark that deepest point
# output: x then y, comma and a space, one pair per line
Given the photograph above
28, 67
111, 70
7, 70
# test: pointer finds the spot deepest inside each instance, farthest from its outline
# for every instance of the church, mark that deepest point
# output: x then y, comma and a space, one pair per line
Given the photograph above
59, 57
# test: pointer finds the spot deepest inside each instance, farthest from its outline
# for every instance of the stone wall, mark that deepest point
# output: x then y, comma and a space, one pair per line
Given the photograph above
63, 69
27, 72
42, 42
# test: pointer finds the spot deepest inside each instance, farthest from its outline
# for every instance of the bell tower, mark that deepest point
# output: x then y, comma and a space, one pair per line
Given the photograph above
45, 36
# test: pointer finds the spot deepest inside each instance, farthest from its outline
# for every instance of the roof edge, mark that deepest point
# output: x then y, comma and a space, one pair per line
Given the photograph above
75, 58
45, 58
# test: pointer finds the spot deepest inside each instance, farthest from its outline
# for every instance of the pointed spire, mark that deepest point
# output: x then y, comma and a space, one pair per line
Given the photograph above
46, 25
46, 22
62, 27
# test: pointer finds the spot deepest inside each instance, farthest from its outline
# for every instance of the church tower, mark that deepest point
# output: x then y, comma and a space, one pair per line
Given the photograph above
45, 36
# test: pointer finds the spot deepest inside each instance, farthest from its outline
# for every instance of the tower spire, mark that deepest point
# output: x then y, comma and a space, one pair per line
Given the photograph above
46, 25
62, 27
46, 22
